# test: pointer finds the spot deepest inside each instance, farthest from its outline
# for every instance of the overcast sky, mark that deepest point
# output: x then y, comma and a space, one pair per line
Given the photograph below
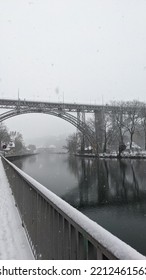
88, 51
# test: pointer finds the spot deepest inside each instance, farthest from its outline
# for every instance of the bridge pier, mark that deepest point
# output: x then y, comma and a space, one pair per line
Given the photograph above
83, 136
81, 118
99, 129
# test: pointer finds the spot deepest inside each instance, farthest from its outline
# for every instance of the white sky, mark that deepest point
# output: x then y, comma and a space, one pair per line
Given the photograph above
78, 51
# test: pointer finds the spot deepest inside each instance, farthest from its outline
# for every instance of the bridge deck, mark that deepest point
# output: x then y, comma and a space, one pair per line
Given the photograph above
13, 241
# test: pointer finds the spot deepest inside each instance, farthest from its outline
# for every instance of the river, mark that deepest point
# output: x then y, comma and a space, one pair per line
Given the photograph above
111, 192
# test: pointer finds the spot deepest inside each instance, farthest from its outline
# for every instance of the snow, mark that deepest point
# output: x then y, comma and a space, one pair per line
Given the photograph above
117, 247
134, 146
13, 241
88, 148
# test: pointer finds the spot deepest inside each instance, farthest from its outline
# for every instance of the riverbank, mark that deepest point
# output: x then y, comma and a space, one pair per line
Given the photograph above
114, 156
13, 157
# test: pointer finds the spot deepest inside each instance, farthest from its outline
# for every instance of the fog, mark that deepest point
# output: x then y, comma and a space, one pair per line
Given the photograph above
41, 129
70, 51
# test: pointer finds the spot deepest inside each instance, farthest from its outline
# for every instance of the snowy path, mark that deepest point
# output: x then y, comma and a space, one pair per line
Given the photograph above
13, 241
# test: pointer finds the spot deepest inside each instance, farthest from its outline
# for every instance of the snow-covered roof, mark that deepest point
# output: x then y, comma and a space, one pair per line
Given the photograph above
88, 148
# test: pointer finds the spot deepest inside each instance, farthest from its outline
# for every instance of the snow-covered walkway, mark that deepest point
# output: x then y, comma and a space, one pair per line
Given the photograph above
13, 241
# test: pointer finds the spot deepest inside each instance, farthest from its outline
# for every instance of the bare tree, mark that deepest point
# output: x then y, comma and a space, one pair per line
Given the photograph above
133, 118
4, 135
108, 134
72, 143
19, 143
108, 129
118, 120
142, 126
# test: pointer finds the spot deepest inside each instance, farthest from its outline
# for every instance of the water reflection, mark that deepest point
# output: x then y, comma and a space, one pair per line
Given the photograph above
19, 162
102, 182
111, 192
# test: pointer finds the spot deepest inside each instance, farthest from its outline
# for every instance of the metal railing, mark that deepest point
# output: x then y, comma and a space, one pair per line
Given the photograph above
55, 229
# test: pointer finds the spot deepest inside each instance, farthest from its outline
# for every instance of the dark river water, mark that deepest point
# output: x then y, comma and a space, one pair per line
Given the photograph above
111, 192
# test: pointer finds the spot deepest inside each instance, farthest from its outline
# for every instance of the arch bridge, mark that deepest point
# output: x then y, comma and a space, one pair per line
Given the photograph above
70, 112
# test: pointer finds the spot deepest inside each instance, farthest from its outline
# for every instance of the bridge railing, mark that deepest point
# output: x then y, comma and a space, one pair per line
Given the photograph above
55, 229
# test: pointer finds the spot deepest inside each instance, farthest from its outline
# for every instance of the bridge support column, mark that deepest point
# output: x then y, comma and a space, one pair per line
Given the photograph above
78, 118
83, 136
81, 118
99, 129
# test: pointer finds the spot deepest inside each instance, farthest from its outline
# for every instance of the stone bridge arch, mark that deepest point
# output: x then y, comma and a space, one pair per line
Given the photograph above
78, 123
